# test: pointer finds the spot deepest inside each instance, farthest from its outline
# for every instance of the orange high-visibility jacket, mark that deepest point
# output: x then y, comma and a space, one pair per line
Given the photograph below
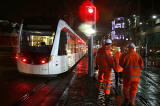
116, 57
121, 60
104, 59
132, 64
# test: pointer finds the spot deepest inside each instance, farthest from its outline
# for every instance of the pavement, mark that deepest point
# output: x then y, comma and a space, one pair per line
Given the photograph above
83, 92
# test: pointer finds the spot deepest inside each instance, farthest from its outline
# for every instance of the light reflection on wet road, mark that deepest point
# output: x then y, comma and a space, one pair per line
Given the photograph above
149, 88
148, 93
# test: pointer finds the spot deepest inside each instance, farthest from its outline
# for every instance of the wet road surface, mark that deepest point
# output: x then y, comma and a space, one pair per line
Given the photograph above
81, 93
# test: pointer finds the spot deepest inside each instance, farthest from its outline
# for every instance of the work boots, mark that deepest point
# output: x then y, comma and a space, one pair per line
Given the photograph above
120, 81
107, 98
116, 84
131, 104
126, 102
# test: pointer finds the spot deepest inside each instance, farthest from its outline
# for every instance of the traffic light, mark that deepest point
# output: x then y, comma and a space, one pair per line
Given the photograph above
88, 12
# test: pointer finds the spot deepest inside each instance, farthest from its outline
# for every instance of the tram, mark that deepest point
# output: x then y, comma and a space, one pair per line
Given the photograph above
42, 52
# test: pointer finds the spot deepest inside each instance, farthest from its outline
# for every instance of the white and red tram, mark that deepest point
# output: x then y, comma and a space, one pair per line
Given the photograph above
49, 53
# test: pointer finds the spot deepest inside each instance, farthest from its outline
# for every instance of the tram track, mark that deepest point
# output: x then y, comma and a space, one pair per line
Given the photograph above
148, 88
27, 95
65, 93
143, 100
25, 98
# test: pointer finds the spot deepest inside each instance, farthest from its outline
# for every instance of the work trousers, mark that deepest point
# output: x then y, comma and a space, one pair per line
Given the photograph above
104, 76
130, 90
107, 81
100, 79
118, 77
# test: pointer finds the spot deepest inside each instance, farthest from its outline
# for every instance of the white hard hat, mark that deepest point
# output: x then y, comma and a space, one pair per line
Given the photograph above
108, 41
118, 49
132, 45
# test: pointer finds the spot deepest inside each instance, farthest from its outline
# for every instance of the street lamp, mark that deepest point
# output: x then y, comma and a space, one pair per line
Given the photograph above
134, 15
90, 31
140, 23
87, 29
154, 16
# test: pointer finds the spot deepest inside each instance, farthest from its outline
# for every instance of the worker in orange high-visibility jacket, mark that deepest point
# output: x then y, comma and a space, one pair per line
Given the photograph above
132, 64
116, 57
105, 63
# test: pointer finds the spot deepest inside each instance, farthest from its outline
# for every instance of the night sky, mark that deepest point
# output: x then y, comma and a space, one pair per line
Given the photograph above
56, 9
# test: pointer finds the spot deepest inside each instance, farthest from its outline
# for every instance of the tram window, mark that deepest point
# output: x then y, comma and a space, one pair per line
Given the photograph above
75, 51
62, 44
70, 44
33, 43
73, 46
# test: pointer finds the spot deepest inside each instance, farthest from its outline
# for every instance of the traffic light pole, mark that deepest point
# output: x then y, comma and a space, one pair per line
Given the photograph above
90, 51
90, 57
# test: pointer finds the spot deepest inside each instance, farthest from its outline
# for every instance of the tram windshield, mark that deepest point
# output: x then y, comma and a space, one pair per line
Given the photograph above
37, 43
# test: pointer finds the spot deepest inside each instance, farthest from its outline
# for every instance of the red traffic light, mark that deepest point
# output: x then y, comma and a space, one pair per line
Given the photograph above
88, 12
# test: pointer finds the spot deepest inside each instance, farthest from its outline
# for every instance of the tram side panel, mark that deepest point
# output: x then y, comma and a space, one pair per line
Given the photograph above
60, 61
68, 52
58, 65
54, 63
